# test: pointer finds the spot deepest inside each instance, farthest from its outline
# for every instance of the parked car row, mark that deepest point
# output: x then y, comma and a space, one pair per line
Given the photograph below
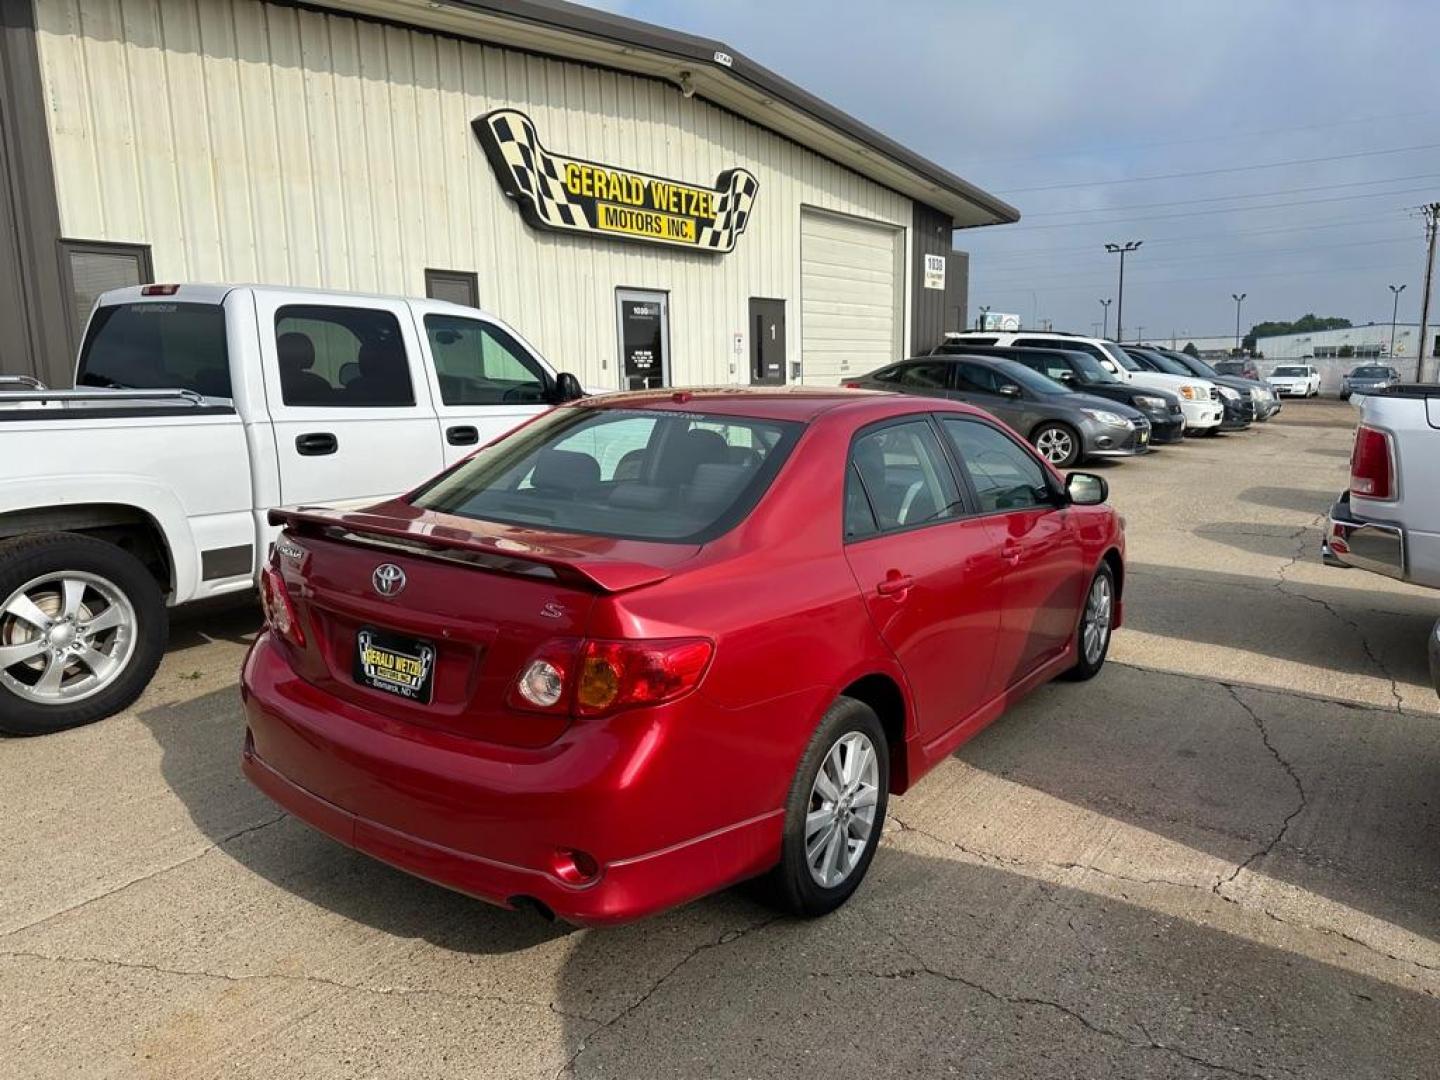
1077, 398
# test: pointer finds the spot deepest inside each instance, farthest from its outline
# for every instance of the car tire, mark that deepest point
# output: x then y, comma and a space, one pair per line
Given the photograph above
1099, 612
793, 886
40, 574
1344, 395
1058, 439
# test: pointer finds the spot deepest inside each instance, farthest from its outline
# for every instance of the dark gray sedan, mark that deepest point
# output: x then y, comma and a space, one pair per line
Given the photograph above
1066, 427
1367, 379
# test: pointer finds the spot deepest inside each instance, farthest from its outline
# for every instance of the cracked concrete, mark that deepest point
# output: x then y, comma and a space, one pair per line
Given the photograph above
1217, 859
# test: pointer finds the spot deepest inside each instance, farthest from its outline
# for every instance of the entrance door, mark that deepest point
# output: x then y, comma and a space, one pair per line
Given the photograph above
644, 339
767, 342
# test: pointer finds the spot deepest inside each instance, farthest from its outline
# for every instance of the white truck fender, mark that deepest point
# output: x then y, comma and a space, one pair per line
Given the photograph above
157, 501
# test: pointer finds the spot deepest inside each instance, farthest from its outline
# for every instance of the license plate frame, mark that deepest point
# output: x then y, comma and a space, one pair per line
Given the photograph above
395, 664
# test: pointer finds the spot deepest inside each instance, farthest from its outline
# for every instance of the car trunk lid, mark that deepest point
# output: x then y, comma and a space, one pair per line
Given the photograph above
440, 639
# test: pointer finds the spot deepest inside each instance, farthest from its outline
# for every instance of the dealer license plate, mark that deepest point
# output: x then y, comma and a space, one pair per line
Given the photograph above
397, 665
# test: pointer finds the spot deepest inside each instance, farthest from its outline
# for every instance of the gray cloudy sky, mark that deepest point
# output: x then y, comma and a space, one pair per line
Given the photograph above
1052, 97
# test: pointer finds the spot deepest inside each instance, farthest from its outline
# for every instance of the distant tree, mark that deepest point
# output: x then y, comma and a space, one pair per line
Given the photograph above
1191, 350
1307, 323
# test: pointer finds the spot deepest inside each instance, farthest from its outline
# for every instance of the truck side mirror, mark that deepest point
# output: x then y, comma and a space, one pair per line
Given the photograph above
567, 388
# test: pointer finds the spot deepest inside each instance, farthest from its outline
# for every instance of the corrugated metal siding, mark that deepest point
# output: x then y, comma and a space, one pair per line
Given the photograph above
247, 141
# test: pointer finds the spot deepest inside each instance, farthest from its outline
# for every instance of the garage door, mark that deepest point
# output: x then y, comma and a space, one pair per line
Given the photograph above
850, 293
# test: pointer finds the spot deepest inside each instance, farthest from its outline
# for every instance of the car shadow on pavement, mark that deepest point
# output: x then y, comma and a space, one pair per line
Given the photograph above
233, 619
1276, 541
943, 966
1303, 500
200, 742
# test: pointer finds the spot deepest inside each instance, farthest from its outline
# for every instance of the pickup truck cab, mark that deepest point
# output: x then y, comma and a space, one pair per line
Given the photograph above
1388, 521
197, 409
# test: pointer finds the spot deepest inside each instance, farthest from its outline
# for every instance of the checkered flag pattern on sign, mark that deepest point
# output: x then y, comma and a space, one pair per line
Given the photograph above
534, 170
732, 212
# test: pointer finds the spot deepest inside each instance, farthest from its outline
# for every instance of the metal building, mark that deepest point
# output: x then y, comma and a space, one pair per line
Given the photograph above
648, 207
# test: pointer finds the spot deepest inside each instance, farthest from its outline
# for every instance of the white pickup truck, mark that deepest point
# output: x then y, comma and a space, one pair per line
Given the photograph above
1388, 521
198, 408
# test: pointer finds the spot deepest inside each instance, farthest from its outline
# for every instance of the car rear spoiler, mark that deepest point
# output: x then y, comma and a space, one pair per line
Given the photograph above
429, 540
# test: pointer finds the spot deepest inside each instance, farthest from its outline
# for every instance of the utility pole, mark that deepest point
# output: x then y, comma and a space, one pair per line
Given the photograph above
1122, 250
1105, 324
1431, 212
980, 318
1394, 311
1139, 334
1239, 298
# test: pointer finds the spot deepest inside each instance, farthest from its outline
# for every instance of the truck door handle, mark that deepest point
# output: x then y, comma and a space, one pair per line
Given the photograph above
895, 584
316, 444
462, 435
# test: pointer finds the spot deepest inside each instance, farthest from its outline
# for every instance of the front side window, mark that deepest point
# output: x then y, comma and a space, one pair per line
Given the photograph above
341, 357
480, 364
903, 474
1005, 475
148, 346
632, 473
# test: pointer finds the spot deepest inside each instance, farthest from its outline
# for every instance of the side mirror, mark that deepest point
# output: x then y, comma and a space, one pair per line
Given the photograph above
1009, 390
567, 388
1086, 489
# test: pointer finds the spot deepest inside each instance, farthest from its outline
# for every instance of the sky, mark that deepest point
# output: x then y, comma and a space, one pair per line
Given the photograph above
1082, 114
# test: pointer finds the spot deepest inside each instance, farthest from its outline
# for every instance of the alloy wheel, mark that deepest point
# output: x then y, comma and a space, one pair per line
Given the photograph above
1095, 633
1055, 445
841, 815
65, 636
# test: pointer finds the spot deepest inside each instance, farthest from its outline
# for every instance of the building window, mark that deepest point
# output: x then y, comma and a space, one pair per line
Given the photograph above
455, 286
92, 267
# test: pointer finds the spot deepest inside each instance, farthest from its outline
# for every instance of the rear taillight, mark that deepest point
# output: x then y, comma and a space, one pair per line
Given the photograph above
592, 678
280, 613
159, 290
1372, 475
851, 386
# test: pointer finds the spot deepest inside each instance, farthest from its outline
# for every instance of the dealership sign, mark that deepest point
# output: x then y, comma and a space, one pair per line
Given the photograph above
575, 196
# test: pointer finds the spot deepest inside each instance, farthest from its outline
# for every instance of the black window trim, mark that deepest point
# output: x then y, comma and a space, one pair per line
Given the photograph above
68, 246
968, 506
1057, 501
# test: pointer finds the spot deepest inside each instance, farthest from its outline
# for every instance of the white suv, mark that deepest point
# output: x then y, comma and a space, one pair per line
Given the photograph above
1199, 398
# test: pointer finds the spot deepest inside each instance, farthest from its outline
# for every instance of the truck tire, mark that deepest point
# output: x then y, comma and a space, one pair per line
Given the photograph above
82, 628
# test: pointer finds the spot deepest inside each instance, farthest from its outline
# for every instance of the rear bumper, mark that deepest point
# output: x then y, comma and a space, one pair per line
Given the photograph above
1364, 545
493, 822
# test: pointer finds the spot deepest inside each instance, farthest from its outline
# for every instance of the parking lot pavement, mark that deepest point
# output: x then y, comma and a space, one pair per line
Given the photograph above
1217, 859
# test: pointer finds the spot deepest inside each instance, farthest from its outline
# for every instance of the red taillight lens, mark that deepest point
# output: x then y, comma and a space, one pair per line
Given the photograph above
280, 613
624, 674
1371, 475
159, 290
851, 386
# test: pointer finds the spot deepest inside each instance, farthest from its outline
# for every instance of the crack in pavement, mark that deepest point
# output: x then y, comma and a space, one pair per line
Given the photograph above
277, 976
923, 969
215, 846
1294, 592
603, 1026
1290, 817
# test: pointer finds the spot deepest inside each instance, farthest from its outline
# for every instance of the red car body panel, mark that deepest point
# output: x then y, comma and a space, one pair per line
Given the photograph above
675, 800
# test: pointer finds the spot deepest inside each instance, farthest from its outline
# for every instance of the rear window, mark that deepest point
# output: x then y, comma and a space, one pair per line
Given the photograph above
157, 346
635, 474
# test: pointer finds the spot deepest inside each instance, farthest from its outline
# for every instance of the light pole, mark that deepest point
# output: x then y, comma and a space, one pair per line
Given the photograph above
1394, 310
1122, 250
1239, 298
1105, 332
980, 319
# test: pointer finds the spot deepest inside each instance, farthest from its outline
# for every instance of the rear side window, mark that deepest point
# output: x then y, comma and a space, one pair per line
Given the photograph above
632, 473
1004, 474
341, 357
479, 364
904, 477
157, 346
926, 375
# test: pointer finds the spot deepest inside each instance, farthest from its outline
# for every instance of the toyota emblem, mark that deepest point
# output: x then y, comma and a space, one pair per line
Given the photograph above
388, 579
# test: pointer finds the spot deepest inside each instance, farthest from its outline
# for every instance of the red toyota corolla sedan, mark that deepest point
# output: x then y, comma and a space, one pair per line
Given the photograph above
652, 644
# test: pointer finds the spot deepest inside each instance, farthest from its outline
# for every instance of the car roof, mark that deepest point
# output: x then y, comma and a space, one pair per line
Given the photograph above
795, 403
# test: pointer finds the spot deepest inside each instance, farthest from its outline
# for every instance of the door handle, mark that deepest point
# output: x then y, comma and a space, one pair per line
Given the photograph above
895, 584
1010, 553
316, 444
462, 435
